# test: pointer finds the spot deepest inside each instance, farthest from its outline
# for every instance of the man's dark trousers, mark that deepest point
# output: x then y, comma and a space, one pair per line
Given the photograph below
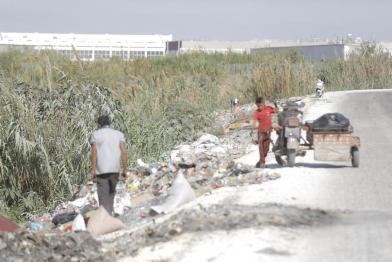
106, 188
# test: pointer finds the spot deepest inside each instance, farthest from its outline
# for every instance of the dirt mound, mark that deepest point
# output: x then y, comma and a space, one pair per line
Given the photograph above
221, 217
26, 246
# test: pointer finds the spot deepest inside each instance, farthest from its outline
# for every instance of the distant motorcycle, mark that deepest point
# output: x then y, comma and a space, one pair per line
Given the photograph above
234, 102
319, 88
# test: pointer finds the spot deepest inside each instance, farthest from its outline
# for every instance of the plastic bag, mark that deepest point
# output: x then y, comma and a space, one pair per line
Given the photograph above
78, 224
64, 218
180, 193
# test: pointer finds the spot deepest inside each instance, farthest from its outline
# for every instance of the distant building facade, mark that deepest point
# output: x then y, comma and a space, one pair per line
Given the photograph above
313, 52
223, 47
252, 46
88, 47
386, 47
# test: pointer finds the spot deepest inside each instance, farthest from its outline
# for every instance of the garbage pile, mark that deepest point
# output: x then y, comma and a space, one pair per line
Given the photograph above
148, 190
206, 164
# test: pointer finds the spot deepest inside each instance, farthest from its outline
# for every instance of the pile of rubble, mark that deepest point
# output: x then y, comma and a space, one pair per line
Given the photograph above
28, 246
206, 164
150, 189
202, 166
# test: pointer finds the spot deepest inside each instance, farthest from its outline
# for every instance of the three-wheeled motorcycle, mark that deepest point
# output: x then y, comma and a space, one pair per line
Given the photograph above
330, 136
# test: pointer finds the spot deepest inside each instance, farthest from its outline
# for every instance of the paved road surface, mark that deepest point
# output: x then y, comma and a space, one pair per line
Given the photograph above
365, 193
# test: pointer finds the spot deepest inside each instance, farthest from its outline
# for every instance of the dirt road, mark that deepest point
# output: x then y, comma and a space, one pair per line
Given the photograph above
315, 212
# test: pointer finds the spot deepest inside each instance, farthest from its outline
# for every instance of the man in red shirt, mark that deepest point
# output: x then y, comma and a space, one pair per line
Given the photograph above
262, 119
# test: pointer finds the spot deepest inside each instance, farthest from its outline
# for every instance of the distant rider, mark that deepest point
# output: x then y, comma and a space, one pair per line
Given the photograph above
234, 104
319, 88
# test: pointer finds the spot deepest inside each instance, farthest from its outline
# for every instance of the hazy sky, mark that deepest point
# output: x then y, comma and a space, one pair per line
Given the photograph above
203, 19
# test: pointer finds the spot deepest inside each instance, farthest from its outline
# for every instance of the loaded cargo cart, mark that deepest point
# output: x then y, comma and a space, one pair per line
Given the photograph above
331, 137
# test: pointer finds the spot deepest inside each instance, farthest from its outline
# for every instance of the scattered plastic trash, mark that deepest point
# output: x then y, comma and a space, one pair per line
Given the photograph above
207, 138
89, 196
179, 194
201, 166
273, 176
154, 167
141, 163
133, 187
37, 226
219, 183
218, 151
157, 189
122, 200
80, 202
64, 218
89, 214
217, 174
164, 157
85, 189
87, 209
67, 227
92, 196
239, 168
78, 224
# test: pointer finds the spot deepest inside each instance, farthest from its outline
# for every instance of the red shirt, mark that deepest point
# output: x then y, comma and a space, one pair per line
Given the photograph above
264, 116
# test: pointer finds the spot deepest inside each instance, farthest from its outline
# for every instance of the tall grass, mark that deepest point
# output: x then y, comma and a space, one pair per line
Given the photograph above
280, 75
369, 68
48, 108
43, 140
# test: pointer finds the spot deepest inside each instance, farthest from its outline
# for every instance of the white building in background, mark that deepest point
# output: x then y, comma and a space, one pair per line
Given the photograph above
215, 46
88, 47
314, 52
310, 50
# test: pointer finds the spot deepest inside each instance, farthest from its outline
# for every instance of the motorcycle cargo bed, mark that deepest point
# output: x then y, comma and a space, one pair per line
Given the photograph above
333, 146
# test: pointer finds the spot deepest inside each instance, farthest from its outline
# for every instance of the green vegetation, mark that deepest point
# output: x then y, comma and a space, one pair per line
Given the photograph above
370, 68
48, 108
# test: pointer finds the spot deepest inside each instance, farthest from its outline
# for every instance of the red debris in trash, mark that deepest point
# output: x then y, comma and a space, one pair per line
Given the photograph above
7, 225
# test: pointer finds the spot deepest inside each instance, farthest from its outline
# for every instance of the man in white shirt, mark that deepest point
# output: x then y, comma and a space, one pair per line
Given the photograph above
107, 151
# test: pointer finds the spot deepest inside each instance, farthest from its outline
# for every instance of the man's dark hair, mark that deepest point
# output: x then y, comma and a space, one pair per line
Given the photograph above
104, 120
260, 100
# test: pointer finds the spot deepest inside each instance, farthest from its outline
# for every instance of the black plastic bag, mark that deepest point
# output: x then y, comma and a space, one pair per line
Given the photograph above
63, 218
334, 122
